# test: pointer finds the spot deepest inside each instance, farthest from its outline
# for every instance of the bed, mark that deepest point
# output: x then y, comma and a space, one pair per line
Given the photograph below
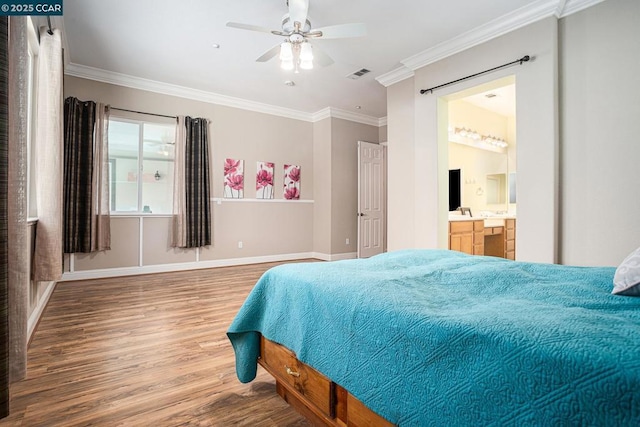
436, 337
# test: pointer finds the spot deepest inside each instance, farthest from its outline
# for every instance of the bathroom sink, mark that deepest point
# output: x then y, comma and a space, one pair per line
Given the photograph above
494, 222
461, 218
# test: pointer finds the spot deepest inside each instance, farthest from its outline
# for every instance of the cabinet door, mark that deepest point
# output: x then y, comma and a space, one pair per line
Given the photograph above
461, 243
510, 239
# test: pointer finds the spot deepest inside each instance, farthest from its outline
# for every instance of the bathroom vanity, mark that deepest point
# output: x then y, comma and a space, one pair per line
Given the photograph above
484, 236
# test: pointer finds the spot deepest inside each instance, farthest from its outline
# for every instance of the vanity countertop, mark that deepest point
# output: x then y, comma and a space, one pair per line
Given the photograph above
492, 221
462, 218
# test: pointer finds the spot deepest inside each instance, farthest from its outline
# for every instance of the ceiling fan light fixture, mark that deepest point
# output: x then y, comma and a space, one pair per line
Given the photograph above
286, 52
306, 52
306, 64
287, 64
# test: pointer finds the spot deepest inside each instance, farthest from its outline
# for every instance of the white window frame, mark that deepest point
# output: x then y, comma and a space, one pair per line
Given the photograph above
140, 167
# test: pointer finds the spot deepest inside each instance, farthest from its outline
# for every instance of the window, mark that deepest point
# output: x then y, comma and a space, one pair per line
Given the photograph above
141, 162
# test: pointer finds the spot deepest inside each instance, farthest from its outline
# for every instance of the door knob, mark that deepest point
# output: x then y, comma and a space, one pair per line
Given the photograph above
360, 214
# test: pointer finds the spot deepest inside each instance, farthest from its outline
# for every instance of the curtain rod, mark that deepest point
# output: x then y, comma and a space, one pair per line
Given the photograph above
50, 31
525, 58
142, 112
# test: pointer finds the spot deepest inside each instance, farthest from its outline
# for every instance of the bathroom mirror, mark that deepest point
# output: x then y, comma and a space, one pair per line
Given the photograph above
512, 187
496, 189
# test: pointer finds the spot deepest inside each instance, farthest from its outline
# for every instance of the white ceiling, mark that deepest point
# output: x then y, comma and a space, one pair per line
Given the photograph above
501, 100
172, 42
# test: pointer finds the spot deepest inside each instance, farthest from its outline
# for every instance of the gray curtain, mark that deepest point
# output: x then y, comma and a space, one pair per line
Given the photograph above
194, 225
86, 174
79, 120
19, 269
4, 313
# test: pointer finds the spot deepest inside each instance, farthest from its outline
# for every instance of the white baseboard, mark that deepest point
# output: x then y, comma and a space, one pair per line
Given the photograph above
32, 322
165, 268
335, 257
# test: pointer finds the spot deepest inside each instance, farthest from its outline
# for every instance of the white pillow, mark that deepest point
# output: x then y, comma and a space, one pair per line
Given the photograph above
626, 281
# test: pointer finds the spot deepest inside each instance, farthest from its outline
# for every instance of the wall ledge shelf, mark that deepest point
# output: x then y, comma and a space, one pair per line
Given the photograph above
220, 200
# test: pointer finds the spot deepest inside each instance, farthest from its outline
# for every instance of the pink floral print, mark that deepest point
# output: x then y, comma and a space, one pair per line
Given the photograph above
233, 179
291, 193
291, 182
264, 180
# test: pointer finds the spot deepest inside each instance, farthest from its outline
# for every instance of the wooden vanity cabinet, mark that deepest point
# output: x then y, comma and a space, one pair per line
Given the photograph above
467, 236
473, 238
510, 238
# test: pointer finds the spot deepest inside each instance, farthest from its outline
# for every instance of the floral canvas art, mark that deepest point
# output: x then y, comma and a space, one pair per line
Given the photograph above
264, 180
291, 182
233, 179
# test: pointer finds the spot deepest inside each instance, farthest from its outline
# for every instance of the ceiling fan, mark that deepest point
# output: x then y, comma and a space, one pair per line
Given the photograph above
296, 51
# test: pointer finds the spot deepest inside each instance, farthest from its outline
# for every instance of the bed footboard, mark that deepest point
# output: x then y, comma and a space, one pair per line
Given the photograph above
315, 396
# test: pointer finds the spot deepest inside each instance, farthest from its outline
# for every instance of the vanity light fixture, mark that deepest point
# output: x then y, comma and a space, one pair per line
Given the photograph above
478, 138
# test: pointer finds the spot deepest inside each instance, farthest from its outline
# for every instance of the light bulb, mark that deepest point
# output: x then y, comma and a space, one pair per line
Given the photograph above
286, 52
306, 64
306, 52
287, 64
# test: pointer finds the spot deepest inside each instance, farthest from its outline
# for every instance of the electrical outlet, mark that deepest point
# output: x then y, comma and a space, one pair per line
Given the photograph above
346, 241
240, 244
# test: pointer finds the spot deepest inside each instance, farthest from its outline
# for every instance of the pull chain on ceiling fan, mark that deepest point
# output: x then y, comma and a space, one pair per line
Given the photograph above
296, 52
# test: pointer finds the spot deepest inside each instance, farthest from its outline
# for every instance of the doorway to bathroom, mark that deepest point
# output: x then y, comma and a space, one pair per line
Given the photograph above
481, 153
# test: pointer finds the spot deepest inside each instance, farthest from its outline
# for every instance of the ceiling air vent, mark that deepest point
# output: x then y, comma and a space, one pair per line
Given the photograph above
356, 75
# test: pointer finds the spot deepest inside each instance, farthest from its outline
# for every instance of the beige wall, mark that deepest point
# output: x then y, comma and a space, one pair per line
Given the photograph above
265, 228
322, 183
400, 165
600, 151
382, 133
317, 224
344, 182
575, 168
416, 141
336, 203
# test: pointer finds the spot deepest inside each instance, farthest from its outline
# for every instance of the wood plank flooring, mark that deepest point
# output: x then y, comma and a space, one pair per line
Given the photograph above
145, 351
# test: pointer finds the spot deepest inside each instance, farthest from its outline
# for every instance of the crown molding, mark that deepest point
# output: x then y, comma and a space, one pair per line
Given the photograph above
573, 6
493, 29
97, 74
325, 113
338, 113
512, 21
395, 76
119, 79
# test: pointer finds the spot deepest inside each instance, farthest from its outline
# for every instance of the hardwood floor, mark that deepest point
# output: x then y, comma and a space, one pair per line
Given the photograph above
145, 351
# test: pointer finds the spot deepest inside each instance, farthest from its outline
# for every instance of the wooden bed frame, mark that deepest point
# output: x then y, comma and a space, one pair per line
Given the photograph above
320, 400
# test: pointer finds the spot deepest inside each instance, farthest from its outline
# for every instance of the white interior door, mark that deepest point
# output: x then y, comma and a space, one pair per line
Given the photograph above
371, 199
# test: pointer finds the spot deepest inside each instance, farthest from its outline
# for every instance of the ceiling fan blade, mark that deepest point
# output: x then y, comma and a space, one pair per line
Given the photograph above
274, 51
248, 27
298, 10
342, 31
320, 57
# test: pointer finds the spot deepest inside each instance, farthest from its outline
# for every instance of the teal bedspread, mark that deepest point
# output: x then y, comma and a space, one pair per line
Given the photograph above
440, 338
